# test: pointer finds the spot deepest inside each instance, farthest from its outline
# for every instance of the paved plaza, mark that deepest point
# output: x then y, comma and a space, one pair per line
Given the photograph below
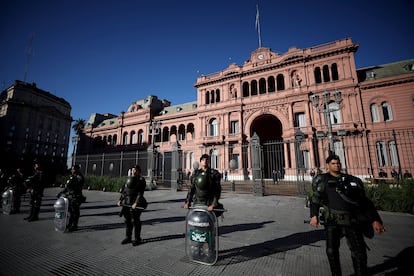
258, 236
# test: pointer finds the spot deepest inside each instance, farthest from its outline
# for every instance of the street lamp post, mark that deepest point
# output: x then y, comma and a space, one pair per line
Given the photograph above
75, 141
154, 130
323, 107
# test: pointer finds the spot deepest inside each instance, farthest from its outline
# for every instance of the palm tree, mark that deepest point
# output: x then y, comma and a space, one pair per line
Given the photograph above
78, 126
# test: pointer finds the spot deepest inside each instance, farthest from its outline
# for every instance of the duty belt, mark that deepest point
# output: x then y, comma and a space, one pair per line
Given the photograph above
340, 217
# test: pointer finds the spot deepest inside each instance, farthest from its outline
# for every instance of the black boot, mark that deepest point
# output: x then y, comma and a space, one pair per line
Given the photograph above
137, 232
126, 240
30, 215
136, 242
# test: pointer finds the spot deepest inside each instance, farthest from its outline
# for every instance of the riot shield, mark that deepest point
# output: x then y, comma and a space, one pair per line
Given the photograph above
61, 214
201, 241
7, 201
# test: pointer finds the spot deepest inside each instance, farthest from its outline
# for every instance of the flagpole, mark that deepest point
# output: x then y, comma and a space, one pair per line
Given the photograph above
258, 25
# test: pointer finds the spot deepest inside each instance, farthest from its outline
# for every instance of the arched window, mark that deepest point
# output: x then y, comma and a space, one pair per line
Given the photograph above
334, 71
374, 113
271, 84
246, 90
173, 132
140, 137
326, 77
165, 134
280, 82
253, 86
181, 133
381, 154
125, 140
262, 86
115, 139
217, 95
213, 128
212, 96
318, 76
386, 112
207, 96
190, 131
133, 137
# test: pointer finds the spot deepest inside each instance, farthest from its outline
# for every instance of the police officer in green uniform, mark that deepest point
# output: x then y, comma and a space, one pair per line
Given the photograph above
73, 191
132, 196
35, 185
345, 211
205, 186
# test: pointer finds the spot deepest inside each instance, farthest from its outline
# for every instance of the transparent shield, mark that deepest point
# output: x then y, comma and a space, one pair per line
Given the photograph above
201, 241
61, 214
7, 201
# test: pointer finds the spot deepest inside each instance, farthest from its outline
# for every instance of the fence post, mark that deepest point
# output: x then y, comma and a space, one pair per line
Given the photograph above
176, 170
257, 162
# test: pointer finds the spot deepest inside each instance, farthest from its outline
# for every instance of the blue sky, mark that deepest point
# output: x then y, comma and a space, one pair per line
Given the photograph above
101, 55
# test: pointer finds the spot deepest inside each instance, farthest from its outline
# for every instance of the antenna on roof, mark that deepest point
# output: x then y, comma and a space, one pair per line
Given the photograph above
28, 55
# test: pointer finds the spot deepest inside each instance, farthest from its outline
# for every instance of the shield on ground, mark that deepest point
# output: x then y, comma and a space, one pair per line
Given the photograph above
61, 214
201, 241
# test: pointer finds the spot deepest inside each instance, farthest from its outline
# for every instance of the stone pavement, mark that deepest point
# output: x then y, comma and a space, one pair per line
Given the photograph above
258, 236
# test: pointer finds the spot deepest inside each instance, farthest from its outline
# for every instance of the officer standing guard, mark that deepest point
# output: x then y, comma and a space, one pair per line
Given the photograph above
35, 184
205, 186
133, 202
73, 191
345, 211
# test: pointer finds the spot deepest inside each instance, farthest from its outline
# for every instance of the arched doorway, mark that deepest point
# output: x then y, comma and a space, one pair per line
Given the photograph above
270, 131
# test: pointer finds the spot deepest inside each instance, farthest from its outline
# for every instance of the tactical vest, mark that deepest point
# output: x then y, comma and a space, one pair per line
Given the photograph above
203, 181
132, 189
347, 192
207, 187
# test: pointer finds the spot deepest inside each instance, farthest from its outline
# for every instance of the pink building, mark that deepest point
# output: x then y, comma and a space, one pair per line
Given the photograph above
278, 113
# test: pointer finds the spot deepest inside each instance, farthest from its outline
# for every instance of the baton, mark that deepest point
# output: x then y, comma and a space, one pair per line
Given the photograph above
219, 210
130, 206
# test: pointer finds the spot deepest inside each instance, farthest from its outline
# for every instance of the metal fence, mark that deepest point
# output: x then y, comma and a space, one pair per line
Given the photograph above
288, 161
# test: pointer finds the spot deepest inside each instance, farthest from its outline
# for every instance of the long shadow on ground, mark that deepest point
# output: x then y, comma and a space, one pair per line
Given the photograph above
248, 252
401, 264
